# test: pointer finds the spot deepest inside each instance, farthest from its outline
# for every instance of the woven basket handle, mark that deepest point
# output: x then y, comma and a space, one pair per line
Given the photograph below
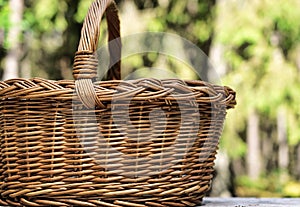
85, 63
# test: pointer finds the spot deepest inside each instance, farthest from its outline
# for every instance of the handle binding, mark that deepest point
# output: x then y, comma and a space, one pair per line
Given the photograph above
85, 62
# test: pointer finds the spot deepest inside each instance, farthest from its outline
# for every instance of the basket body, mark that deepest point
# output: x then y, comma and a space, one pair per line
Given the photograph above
154, 146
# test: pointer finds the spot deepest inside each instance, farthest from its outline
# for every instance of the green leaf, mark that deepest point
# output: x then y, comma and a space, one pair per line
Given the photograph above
82, 10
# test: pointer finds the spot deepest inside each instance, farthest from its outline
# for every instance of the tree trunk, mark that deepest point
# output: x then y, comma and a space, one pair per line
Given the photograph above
216, 53
222, 185
269, 160
298, 162
11, 68
298, 58
216, 56
253, 143
283, 148
1, 37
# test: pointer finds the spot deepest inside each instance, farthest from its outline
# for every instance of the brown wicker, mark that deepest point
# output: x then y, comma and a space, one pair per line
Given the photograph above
113, 143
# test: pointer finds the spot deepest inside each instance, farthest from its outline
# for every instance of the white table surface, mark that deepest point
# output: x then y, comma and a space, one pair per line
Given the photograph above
251, 202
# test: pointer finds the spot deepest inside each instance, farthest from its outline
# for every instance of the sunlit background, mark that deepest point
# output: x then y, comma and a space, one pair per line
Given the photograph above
254, 45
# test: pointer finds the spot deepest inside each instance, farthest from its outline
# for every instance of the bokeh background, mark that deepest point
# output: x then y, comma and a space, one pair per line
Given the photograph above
254, 45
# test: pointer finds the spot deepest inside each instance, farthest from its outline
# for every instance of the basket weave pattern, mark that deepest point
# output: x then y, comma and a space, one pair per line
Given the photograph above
114, 143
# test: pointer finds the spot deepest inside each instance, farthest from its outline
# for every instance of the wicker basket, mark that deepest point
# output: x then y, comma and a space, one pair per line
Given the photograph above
114, 143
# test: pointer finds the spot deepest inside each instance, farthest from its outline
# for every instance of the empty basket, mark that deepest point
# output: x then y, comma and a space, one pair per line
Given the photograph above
113, 143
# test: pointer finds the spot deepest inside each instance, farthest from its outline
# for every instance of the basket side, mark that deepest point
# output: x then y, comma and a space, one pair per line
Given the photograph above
55, 151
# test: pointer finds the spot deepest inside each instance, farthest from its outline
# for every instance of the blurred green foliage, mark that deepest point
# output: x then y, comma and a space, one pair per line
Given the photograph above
82, 10
4, 19
261, 48
275, 184
258, 37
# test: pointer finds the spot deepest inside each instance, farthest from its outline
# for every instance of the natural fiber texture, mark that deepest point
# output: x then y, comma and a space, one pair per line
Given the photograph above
114, 143
46, 161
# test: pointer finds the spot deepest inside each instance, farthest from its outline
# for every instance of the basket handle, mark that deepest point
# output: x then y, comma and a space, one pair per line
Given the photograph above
85, 62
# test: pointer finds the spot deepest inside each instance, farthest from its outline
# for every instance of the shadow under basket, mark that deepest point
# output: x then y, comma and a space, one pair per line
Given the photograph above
114, 143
